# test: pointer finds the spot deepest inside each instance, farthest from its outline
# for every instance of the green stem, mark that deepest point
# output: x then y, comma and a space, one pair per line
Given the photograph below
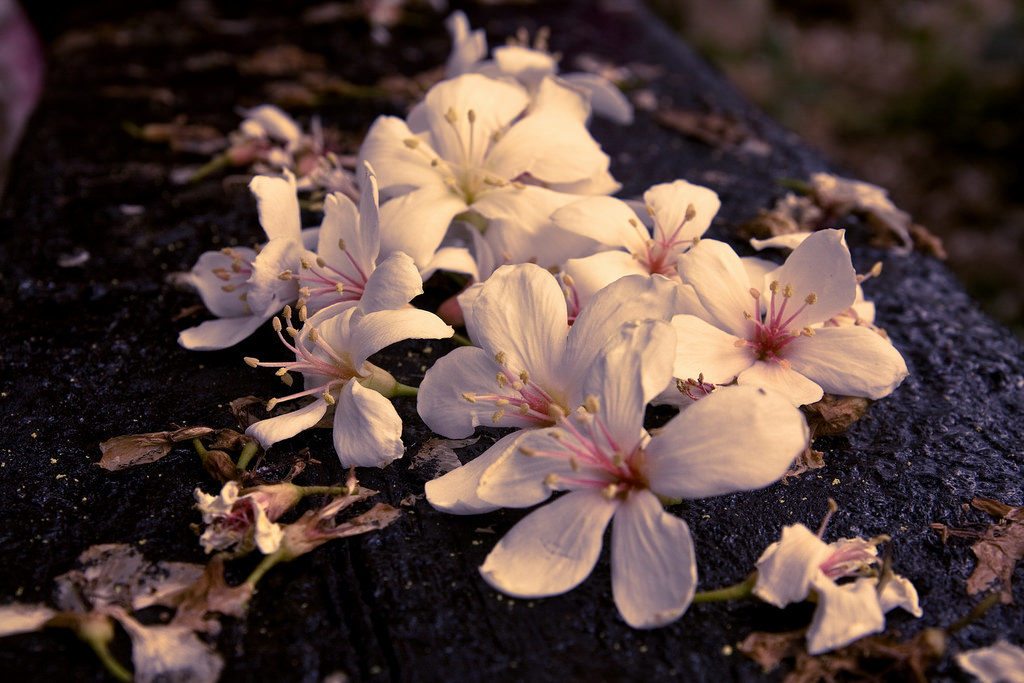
212, 166
801, 186
461, 340
734, 592
404, 390
109, 661
200, 448
977, 612
324, 490
263, 567
246, 455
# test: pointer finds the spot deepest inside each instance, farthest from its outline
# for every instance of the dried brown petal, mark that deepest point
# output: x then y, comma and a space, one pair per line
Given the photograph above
210, 594
437, 456
833, 415
137, 449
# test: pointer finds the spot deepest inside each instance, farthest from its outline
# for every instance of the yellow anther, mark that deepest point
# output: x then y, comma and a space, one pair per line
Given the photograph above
292, 332
527, 451
339, 288
304, 262
328, 398
271, 403
281, 372
287, 379
471, 115
287, 312
302, 313
574, 464
774, 286
229, 288
811, 299
502, 379
411, 143
341, 244
320, 261
252, 362
523, 409
305, 292
754, 293
747, 315
610, 491
524, 375
501, 402
568, 280
876, 269
496, 417
807, 332
650, 210
592, 404
501, 358
787, 291
277, 324
314, 334
691, 212
555, 412
450, 116
517, 385
284, 275
468, 396
551, 481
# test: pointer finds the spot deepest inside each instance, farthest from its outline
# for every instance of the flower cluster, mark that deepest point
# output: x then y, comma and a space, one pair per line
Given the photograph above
581, 309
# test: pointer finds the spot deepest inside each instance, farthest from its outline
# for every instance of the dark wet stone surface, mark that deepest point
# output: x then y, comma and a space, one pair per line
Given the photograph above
89, 352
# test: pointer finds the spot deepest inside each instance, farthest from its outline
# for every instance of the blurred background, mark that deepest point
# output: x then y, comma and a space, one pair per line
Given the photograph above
922, 97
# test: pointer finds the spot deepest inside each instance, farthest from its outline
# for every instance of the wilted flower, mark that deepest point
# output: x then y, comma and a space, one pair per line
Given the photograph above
238, 522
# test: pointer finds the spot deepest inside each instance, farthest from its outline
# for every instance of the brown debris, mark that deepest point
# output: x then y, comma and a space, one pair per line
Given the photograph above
873, 658
210, 594
182, 136
711, 128
281, 60
833, 415
130, 450
998, 548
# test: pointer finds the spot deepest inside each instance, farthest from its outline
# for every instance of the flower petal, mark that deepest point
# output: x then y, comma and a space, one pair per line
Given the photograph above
844, 614
788, 567
214, 335
417, 222
469, 46
820, 265
999, 663
400, 168
654, 570
274, 429
849, 361
670, 202
372, 332
456, 492
607, 220
790, 240
524, 64
736, 439
703, 348
392, 285
207, 276
605, 97
898, 591
367, 428
494, 104
516, 480
553, 549
718, 276
278, 206
520, 312
551, 143
593, 273
269, 287
785, 381
635, 297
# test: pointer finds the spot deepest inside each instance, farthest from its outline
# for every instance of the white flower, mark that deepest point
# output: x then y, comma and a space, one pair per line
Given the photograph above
330, 354
479, 144
791, 568
528, 65
236, 522
529, 365
736, 439
345, 270
680, 213
243, 287
999, 663
774, 341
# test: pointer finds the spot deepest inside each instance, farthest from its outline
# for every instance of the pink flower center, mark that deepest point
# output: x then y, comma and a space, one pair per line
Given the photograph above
849, 559
661, 252
597, 459
771, 331
517, 394
321, 284
335, 366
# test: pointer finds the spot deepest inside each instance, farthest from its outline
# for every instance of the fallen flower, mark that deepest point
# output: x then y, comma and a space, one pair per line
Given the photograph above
169, 652
529, 363
330, 354
774, 342
130, 450
736, 439
800, 564
239, 522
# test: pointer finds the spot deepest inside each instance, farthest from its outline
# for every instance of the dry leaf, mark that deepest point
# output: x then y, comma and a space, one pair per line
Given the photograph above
118, 574
137, 449
875, 657
23, 618
437, 456
169, 653
210, 594
833, 415
809, 459
998, 548
711, 128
